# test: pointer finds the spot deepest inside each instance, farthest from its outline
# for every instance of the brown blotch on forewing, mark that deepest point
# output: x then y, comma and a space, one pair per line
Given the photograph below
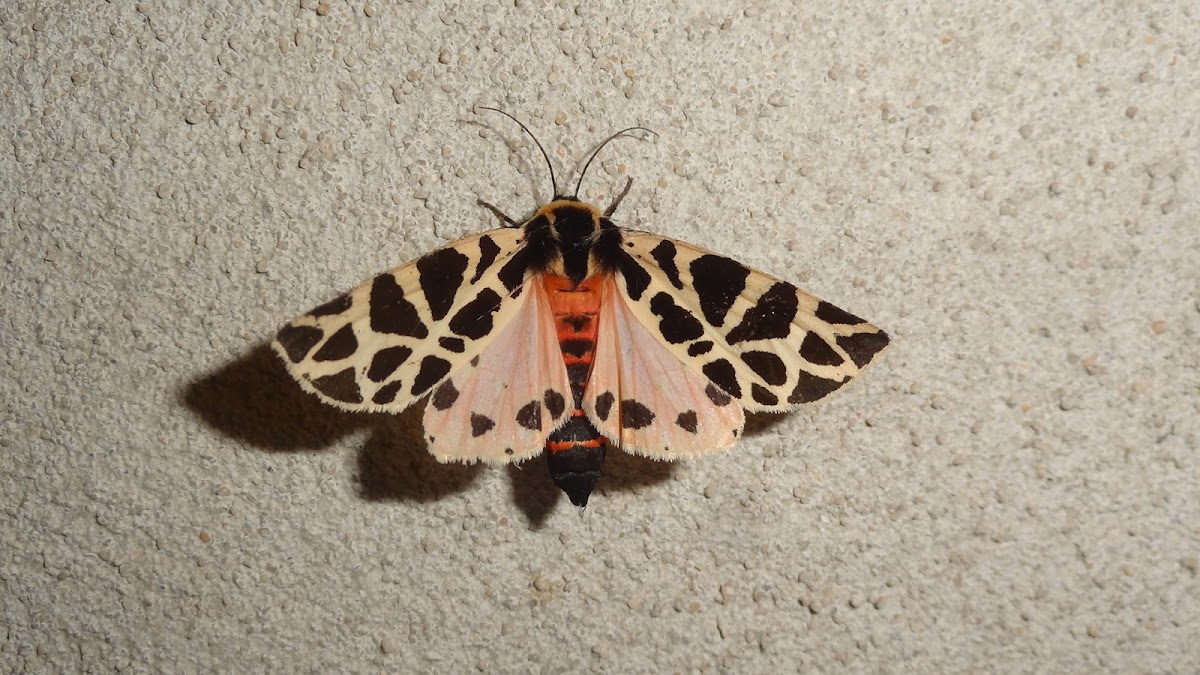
487, 255
766, 365
818, 352
340, 386
391, 312
298, 341
664, 254
831, 314
762, 395
452, 344
676, 324
474, 319
386, 361
441, 274
387, 393
862, 347
810, 388
718, 281
723, 375
340, 345
770, 317
335, 306
433, 369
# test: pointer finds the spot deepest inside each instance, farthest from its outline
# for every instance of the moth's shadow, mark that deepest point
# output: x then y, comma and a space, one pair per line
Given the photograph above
255, 401
759, 423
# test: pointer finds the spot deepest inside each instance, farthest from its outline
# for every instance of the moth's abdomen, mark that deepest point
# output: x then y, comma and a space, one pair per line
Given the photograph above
575, 452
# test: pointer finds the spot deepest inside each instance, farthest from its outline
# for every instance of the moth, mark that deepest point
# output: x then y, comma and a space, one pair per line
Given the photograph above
569, 334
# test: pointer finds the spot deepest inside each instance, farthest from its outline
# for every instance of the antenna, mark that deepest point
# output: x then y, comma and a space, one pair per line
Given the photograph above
601, 147
553, 183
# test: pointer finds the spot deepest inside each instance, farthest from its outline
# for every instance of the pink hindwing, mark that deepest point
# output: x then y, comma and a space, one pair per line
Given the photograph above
644, 399
501, 406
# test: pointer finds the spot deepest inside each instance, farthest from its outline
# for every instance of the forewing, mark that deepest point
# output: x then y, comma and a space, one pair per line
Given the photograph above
763, 341
388, 342
642, 397
501, 406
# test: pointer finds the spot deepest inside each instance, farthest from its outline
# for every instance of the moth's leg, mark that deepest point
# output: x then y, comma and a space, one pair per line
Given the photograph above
613, 207
499, 214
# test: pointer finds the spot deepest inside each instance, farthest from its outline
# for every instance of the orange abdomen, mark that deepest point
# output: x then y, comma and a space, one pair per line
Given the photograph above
575, 451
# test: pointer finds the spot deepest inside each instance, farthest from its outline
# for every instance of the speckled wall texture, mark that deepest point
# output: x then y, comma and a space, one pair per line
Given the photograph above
1010, 191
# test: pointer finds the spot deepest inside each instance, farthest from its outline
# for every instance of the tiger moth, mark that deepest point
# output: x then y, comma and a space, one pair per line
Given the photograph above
568, 333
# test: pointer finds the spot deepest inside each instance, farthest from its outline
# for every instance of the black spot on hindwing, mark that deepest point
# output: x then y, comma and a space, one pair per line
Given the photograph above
554, 403
444, 396
862, 347
341, 386
717, 281
677, 324
441, 274
481, 424
604, 405
698, 348
770, 317
687, 421
433, 369
722, 374
715, 395
334, 306
386, 361
664, 255
530, 415
830, 314
817, 351
766, 365
634, 415
487, 255
298, 341
474, 320
391, 312
339, 345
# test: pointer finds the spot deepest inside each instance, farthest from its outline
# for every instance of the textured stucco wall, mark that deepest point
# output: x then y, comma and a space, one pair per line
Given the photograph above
1010, 192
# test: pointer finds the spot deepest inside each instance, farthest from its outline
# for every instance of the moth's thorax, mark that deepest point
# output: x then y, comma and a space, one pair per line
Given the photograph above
572, 222
566, 233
